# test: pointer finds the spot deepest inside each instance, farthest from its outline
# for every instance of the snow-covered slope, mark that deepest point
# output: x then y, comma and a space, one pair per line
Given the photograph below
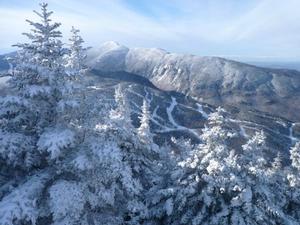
174, 114
214, 80
108, 56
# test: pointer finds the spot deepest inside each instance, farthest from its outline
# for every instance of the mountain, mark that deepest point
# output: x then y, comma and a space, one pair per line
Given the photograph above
184, 89
174, 114
214, 80
292, 65
3, 63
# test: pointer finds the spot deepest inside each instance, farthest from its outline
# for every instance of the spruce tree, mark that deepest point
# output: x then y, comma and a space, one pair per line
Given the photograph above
293, 182
76, 55
29, 115
144, 129
33, 135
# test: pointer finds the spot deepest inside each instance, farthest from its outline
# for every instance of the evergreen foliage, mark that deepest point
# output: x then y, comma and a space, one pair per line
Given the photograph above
66, 160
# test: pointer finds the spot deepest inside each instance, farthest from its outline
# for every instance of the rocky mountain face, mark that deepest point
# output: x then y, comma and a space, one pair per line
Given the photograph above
213, 80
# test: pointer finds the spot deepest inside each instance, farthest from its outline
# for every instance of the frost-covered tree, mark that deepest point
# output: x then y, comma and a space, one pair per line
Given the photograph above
38, 82
144, 131
253, 153
293, 182
20, 204
75, 69
295, 156
196, 194
113, 168
112, 190
215, 185
121, 114
265, 201
76, 55
144, 128
33, 133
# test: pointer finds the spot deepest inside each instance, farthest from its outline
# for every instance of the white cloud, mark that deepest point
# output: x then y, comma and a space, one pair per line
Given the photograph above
216, 27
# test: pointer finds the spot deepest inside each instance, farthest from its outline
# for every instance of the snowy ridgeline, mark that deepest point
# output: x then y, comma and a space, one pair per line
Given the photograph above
215, 80
66, 160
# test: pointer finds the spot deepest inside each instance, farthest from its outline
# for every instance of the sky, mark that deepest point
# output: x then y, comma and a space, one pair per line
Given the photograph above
253, 30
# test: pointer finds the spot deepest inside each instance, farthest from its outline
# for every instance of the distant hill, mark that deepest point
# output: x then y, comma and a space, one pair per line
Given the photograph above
3, 63
277, 65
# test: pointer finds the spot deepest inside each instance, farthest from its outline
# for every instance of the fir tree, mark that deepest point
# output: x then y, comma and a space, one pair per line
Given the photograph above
32, 129
215, 185
144, 129
293, 182
39, 82
76, 56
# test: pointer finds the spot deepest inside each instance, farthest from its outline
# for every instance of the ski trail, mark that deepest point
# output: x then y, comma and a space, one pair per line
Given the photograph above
154, 113
170, 110
200, 109
176, 126
156, 119
149, 99
243, 132
259, 126
135, 93
291, 136
156, 116
95, 88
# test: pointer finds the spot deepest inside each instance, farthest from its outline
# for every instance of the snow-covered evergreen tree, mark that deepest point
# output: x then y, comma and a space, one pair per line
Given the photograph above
196, 194
144, 132
144, 128
33, 134
75, 69
215, 185
39, 82
121, 114
58, 168
111, 186
76, 56
293, 182
295, 156
20, 203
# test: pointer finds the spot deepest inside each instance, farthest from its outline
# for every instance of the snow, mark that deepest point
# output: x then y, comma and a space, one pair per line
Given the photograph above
243, 132
169, 206
106, 167
291, 135
81, 162
21, 203
169, 112
3, 81
200, 109
66, 200
35, 90
95, 87
108, 57
200, 76
55, 140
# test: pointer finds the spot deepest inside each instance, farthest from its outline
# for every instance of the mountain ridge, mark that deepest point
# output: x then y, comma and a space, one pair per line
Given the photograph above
215, 80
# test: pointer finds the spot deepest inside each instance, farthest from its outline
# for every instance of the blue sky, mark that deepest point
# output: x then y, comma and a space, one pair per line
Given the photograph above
260, 30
